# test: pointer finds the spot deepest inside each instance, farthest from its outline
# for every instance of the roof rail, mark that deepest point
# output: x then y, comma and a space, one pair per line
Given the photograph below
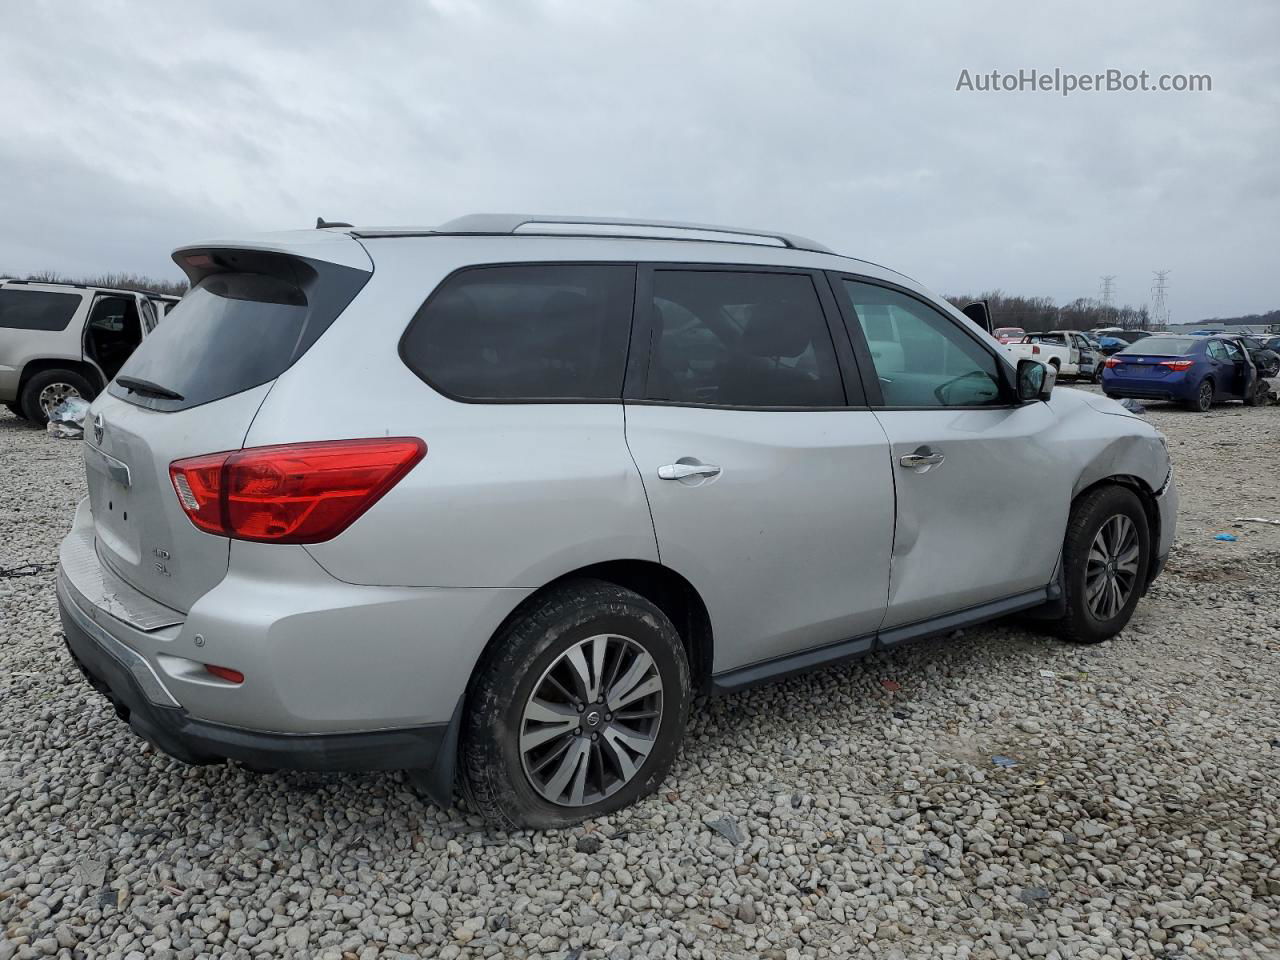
91, 286
506, 224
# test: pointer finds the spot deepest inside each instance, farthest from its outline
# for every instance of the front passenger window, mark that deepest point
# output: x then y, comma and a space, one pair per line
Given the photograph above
921, 357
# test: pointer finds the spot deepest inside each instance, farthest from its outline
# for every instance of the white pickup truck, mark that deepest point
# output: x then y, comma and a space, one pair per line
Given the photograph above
1067, 351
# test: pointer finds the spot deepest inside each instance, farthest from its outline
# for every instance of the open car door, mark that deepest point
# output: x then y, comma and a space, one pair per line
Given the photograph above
980, 313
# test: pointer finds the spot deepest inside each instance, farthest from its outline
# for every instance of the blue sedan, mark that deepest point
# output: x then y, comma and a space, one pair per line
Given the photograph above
1195, 370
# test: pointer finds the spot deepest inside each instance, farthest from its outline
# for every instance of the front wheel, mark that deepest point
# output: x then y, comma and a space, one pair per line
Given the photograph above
577, 709
1105, 559
1204, 397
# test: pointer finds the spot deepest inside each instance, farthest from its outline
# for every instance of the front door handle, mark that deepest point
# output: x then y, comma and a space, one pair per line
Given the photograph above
681, 471
921, 460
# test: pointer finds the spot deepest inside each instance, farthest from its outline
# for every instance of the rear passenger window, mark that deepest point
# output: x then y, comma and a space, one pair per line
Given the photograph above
537, 332
37, 309
737, 339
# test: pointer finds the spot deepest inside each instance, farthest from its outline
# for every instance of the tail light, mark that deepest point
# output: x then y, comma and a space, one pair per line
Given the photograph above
1034, 351
291, 493
1177, 364
1113, 362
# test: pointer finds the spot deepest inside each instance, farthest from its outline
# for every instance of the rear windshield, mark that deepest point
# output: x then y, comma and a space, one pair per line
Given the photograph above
1163, 346
235, 331
37, 309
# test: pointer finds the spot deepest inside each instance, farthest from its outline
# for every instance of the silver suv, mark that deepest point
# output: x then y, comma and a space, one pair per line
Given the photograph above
491, 502
60, 340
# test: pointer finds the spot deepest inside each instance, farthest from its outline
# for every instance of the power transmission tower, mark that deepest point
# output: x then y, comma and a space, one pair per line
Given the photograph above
1105, 296
1160, 300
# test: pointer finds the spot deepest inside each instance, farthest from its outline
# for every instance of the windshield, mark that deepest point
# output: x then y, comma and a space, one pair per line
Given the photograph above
1164, 346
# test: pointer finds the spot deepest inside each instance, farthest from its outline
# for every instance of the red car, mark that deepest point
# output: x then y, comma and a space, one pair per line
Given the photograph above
1008, 334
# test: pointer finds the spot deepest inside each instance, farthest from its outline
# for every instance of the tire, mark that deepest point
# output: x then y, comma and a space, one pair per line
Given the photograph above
1097, 373
512, 788
47, 384
16, 409
1117, 509
1203, 401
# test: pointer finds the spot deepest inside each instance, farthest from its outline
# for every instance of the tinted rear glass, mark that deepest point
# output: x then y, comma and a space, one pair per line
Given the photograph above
37, 309
530, 332
235, 331
1164, 346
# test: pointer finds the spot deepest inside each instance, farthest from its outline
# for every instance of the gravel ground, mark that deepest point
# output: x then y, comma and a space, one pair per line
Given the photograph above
852, 812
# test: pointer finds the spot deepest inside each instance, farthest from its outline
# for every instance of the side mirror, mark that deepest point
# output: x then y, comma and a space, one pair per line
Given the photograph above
1035, 381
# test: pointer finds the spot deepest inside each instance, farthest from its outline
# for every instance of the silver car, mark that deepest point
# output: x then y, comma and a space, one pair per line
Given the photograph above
491, 502
60, 340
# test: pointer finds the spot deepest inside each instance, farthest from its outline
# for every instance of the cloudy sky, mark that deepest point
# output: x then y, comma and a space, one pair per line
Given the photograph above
130, 128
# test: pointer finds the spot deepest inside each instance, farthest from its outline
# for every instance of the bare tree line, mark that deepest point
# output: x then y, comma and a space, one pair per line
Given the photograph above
1041, 313
118, 281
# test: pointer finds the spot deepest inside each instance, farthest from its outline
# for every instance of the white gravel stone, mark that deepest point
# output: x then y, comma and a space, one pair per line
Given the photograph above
821, 817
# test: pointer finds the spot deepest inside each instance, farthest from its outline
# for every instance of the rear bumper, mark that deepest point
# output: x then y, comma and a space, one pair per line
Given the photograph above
1176, 387
318, 656
141, 698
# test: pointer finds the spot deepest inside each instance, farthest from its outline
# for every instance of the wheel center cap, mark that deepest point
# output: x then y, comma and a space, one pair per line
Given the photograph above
591, 719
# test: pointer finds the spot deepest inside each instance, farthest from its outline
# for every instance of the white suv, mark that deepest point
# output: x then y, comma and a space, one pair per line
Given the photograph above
491, 502
60, 340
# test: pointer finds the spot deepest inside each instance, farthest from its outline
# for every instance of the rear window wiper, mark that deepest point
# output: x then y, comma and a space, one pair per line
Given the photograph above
146, 387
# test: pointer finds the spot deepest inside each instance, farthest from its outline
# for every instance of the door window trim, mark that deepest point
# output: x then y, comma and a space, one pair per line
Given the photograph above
518, 401
642, 328
862, 351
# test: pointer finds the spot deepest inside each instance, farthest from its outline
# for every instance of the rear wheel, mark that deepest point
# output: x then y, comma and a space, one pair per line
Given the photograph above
577, 710
47, 389
1204, 397
1105, 558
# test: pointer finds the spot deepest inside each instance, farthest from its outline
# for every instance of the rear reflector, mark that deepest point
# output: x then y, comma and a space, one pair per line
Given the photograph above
225, 673
291, 493
1177, 364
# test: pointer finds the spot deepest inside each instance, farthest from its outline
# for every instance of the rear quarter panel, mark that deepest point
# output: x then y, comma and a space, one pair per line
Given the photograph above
508, 495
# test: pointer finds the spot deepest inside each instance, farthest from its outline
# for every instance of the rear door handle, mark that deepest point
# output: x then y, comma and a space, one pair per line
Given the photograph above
680, 471
921, 461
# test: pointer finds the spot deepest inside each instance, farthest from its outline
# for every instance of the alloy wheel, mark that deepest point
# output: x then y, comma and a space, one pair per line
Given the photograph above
1206, 395
53, 395
592, 720
1111, 571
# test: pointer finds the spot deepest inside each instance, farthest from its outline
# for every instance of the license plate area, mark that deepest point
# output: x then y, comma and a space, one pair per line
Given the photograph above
111, 497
